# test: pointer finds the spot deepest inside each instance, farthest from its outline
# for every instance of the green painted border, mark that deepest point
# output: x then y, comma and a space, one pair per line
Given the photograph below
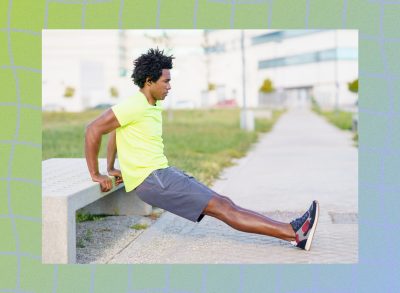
20, 145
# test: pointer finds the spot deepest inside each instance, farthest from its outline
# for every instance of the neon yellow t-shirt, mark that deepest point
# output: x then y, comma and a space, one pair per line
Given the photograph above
140, 145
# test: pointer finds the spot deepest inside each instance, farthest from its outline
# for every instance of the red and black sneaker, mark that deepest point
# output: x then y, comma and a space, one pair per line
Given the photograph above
304, 227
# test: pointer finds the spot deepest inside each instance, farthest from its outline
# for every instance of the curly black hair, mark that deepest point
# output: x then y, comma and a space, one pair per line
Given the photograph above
150, 65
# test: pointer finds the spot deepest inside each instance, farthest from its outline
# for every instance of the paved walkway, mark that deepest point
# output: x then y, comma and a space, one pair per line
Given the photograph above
302, 159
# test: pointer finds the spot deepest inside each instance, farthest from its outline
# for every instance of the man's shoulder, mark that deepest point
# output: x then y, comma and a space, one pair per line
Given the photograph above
131, 101
130, 109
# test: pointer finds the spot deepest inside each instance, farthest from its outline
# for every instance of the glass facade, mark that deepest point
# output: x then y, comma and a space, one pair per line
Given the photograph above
217, 48
280, 35
313, 57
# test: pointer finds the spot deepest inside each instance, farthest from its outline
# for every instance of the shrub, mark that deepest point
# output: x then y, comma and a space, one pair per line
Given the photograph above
69, 92
114, 92
267, 86
353, 86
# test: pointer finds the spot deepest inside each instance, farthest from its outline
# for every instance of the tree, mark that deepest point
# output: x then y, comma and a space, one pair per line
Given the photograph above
69, 92
211, 86
114, 92
353, 86
164, 40
267, 86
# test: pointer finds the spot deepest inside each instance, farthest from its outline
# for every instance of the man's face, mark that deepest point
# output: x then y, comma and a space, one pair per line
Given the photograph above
160, 88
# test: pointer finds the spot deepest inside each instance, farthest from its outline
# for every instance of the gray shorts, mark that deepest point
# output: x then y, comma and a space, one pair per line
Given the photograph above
173, 190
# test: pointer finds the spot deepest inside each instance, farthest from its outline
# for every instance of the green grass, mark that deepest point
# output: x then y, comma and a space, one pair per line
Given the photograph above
54, 120
341, 119
80, 243
200, 142
88, 217
64, 133
88, 237
139, 226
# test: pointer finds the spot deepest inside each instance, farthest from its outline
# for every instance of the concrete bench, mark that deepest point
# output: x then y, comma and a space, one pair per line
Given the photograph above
66, 189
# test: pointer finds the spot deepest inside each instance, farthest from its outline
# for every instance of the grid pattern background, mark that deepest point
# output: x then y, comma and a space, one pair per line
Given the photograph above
21, 22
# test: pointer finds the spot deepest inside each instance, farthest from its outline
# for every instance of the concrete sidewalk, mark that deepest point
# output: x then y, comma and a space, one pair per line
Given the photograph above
302, 159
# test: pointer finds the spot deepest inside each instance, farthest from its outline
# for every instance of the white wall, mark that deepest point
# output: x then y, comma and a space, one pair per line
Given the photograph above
66, 53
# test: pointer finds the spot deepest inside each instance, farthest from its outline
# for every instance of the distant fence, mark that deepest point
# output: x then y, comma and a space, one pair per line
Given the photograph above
272, 100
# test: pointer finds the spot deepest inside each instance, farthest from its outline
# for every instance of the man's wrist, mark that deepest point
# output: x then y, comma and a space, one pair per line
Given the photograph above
94, 174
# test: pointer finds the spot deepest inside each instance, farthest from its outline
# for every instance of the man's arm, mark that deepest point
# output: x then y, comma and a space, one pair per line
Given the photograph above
104, 124
111, 152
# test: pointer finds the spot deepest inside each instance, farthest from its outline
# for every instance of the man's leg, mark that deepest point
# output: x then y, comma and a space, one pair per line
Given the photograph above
223, 208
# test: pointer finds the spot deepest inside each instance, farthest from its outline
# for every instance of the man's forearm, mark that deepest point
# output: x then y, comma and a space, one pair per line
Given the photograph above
104, 124
111, 151
92, 147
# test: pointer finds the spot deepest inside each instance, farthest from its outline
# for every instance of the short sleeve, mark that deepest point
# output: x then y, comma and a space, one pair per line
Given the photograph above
126, 111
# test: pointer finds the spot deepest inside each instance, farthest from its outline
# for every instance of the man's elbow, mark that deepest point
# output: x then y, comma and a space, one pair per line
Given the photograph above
92, 130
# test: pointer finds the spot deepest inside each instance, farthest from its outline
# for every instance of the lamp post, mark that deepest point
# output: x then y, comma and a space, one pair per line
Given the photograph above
336, 74
246, 116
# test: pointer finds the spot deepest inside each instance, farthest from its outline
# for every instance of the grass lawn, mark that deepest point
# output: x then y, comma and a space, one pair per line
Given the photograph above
199, 142
341, 119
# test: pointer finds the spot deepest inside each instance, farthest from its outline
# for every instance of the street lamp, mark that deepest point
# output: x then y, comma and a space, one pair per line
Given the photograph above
246, 116
336, 74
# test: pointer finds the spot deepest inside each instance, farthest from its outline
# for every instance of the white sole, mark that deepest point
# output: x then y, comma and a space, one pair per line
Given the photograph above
310, 237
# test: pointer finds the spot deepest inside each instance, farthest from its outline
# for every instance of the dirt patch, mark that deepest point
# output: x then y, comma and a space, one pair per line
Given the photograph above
344, 218
98, 241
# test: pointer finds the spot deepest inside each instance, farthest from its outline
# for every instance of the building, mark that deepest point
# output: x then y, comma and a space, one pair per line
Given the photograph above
302, 64
82, 69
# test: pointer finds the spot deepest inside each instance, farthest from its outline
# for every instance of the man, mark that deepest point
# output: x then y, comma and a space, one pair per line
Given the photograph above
136, 131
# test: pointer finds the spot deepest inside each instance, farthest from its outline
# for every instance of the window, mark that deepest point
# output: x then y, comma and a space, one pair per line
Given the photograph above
280, 35
313, 57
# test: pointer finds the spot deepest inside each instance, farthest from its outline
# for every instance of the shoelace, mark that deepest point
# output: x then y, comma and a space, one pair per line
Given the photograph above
299, 221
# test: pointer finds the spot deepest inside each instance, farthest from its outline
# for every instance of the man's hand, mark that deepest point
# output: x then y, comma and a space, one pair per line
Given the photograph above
105, 182
117, 174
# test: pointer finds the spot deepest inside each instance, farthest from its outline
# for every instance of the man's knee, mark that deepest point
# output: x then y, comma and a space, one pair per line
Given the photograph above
228, 199
219, 206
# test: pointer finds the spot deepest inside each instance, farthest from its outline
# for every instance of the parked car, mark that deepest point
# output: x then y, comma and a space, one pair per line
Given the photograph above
231, 103
102, 106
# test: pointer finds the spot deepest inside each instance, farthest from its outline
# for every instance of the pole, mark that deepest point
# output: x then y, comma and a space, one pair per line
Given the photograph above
244, 107
336, 75
246, 116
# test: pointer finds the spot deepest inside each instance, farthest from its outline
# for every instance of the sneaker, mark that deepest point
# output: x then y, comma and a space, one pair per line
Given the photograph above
304, 227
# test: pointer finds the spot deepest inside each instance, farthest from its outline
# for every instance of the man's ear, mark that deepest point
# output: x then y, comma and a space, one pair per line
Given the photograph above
148, 80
